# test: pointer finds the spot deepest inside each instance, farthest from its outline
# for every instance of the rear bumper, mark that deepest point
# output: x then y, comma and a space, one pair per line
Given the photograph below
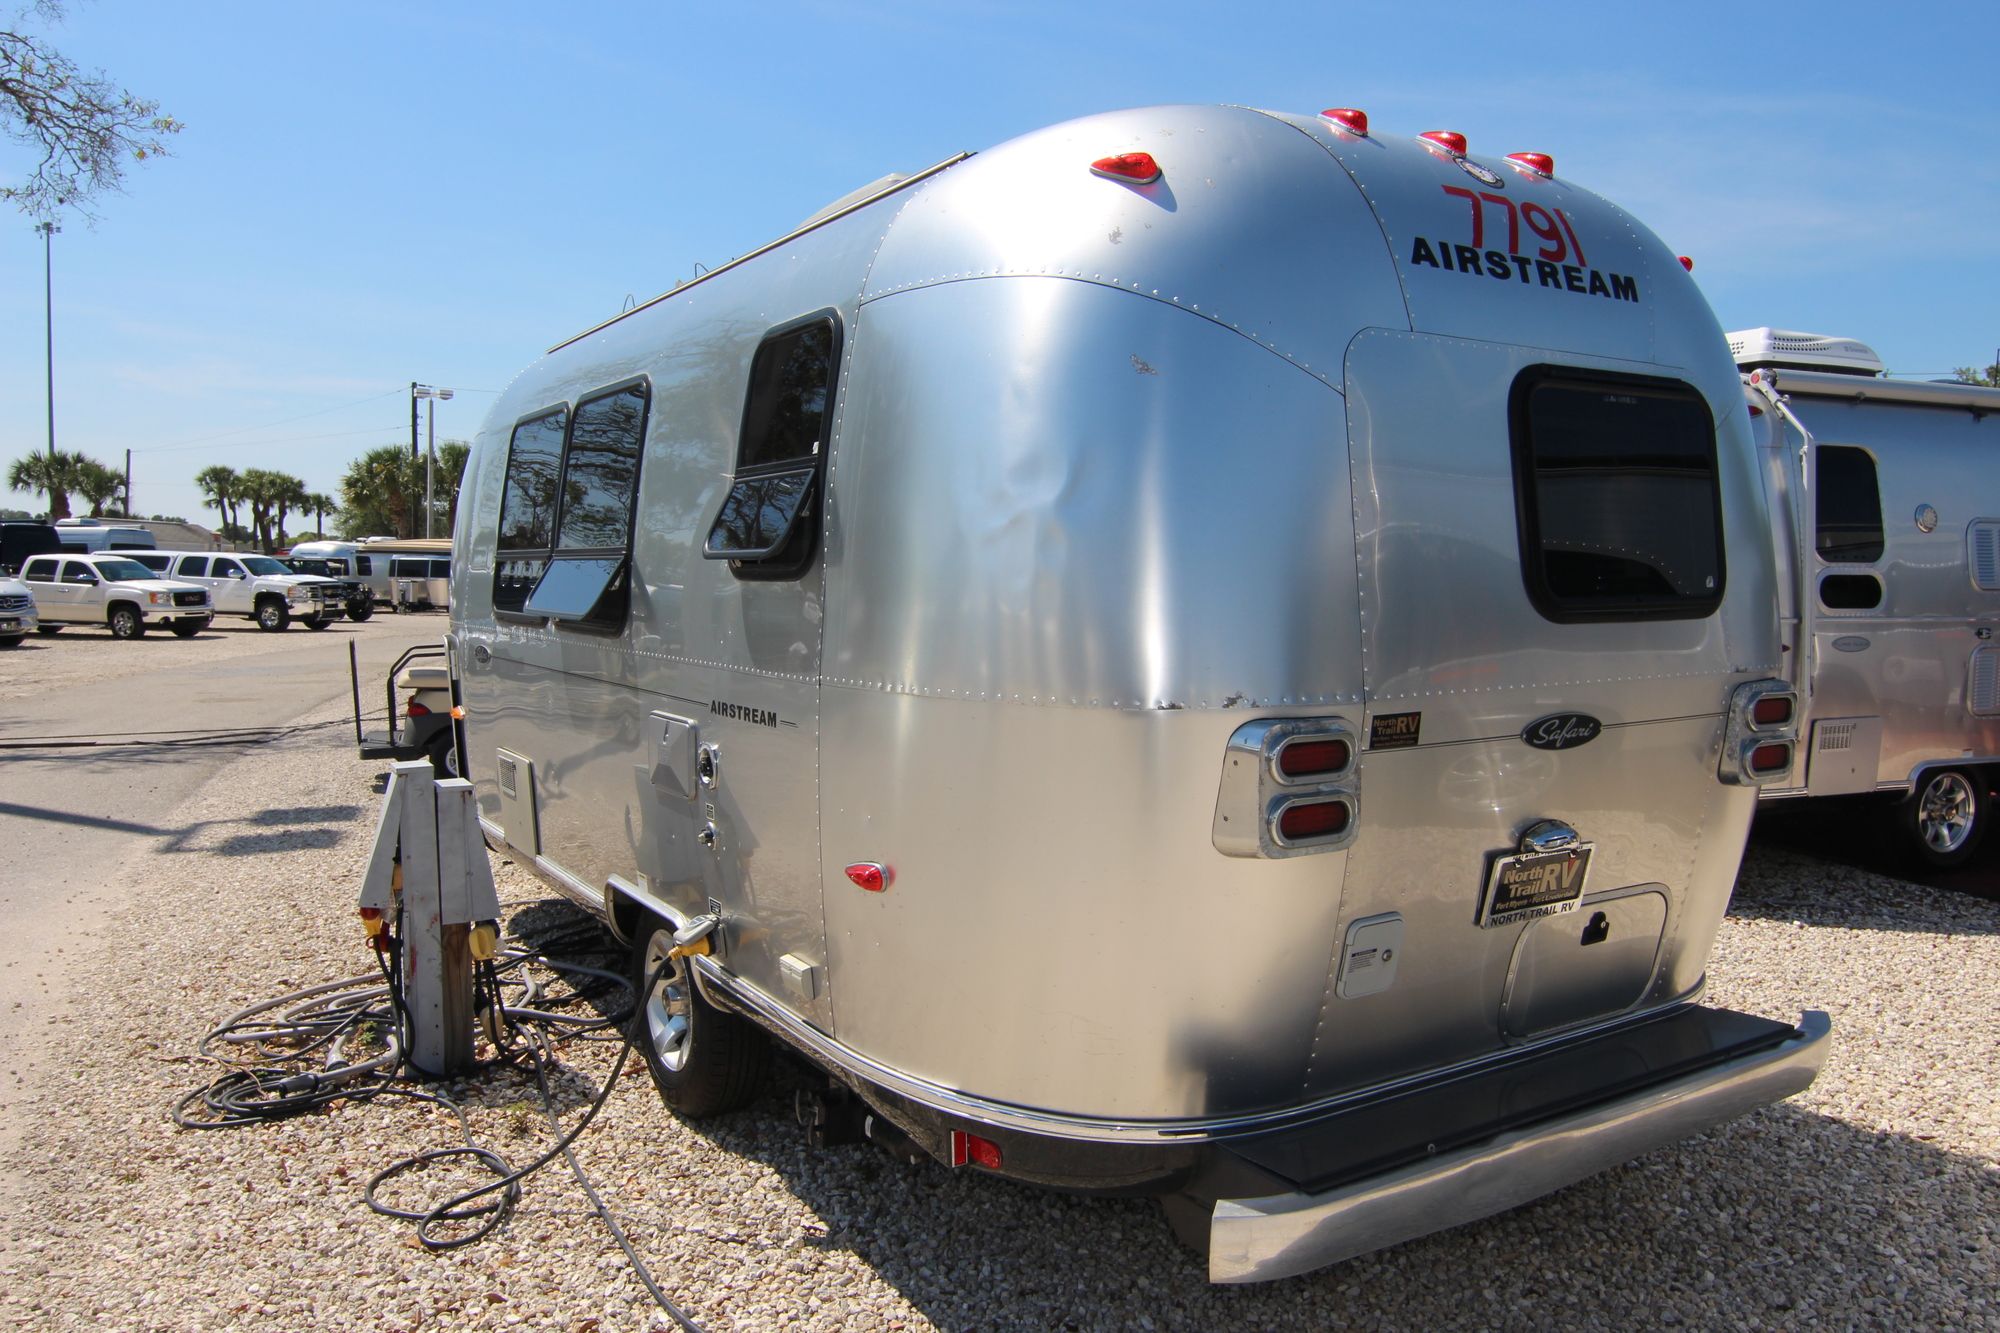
1280, 1235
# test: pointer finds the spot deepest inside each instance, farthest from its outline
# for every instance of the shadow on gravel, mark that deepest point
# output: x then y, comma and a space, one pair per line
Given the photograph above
1859, 832
1778, 883
1785, 1217
290, 828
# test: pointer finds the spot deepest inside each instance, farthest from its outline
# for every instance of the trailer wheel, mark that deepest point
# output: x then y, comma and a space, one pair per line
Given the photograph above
443, 754
359, 611
318, 622
273, 614
126, 622
49, 630
1946, 816
703, 1061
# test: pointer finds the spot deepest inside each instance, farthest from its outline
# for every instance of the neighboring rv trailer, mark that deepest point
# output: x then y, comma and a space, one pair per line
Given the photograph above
408, 573
1200, 652
1885, 501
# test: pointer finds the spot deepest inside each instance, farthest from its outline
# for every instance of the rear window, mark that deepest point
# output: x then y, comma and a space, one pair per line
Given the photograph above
1619, 502
1847, 526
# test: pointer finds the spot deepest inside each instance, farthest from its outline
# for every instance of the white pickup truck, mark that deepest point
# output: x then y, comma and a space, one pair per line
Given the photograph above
254, 586
113, 590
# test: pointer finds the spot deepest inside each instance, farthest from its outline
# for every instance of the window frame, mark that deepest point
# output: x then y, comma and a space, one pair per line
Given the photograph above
1819, 495
1520, 433
795, 551
600, 618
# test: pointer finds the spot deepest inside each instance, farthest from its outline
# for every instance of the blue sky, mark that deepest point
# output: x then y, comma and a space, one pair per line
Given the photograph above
368, 194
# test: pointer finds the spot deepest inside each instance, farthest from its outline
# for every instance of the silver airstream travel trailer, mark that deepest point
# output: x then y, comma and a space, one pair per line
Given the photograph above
1886, 505
1198, 652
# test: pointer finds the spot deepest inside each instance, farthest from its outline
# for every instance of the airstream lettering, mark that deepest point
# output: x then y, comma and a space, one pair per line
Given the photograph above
942, 642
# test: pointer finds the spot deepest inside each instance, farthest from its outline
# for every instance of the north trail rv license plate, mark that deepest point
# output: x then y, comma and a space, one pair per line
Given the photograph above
1535, 884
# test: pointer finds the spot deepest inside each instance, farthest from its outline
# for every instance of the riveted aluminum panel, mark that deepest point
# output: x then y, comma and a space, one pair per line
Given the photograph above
1250, 226
1053, 492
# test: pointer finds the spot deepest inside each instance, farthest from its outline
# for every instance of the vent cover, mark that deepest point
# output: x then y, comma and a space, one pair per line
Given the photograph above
1831, 736
1982, 554
1982, 691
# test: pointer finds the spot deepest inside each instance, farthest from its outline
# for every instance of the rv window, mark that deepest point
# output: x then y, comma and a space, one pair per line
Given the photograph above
574, 589
528, 498
601, 471
1850, 592
767, 526
364, 564
1619, 503
1848, 509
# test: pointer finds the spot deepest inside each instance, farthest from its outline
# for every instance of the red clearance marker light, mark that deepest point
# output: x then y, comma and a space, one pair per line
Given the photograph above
971, 1148
416, 710
870, 875
1349, 119
1541, 163
1314, 819
1139, 168
1772, 710
1305, 759
1450, 140
1687, 263
1771, 758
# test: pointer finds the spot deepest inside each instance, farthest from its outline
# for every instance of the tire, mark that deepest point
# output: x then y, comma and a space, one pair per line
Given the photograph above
357, 612
316, 622
13, 641
50, 630
1945, 818
704, 1062
273, 615
126, 622
187, 629
443, 754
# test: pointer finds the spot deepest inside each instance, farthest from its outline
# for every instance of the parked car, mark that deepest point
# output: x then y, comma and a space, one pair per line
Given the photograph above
254, 586
356, 596
18, 541
17, 612
112, 590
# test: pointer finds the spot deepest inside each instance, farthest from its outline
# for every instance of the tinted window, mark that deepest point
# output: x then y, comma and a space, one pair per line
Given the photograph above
1848, 511
767, 523
364, 564
75, 571
157, 563
123, 571
534, 468
195, 566
785, 416
602, 470
41, 571
440, 569
227, 569
1619, 503
572, 589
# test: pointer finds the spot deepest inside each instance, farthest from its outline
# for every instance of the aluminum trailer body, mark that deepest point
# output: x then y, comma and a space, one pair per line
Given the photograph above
1163, 683
1886, 506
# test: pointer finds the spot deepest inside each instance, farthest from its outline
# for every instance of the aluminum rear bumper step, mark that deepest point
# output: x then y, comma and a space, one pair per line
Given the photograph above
1538, 1128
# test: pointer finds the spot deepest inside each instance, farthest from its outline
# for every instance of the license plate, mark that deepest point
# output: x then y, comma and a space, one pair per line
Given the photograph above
1535, 884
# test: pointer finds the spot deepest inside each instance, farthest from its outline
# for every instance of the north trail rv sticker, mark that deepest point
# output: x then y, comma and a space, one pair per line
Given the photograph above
1394, 731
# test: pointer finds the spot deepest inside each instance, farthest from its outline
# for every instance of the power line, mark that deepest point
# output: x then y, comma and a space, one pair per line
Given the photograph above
284, 421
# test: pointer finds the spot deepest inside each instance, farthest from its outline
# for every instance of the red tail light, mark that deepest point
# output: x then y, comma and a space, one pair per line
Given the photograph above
870, 875
1306, 820
1355, 122
1772, 758
416, 710
1449, 140
1139, 168
1311, 759
1773, 710
1687, 263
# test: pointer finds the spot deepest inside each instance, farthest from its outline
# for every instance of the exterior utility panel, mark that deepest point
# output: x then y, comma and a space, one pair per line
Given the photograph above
1111, 491
1886, 508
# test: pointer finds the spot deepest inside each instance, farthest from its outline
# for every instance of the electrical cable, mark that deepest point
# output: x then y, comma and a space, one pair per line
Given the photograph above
268, 1041
174, 740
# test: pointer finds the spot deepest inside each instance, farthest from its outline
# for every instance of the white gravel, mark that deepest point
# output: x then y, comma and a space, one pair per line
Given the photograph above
1873, 1199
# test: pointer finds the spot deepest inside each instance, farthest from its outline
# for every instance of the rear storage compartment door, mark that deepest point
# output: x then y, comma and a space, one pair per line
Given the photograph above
1459, 661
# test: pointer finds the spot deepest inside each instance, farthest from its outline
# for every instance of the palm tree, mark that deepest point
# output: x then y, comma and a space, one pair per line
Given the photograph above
98, 484
222, 488
287, 493
254, 487
53, 472
317, 504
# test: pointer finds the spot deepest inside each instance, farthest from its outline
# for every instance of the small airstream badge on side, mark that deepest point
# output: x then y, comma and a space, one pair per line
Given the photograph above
1562, 731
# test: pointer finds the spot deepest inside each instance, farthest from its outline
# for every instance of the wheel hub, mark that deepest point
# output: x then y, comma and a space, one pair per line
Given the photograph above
1944, 816
669, 1008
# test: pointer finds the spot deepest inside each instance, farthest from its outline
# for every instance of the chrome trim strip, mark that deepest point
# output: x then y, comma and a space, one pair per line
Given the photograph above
1257, 1240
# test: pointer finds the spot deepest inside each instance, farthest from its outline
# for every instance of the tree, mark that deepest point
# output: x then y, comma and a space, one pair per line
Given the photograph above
100, 485
1990, 377
83, 126
287, 493
222, 488
377, 492
318, 504
450, 473
52, 473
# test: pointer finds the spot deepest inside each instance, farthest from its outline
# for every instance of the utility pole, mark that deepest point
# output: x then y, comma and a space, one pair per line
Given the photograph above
128, 483
413, 454
48, 231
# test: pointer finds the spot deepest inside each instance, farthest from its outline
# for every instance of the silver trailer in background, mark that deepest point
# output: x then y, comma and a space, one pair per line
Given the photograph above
1886, 502
1200, 652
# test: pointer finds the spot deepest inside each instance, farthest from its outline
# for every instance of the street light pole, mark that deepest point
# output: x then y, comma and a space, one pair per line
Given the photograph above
413, 451
48, 231
431, 396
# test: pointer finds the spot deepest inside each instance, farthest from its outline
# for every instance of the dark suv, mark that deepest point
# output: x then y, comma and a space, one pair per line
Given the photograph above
360, 602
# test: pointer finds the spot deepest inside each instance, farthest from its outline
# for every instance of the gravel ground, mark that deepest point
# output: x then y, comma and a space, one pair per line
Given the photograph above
1872, 1199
